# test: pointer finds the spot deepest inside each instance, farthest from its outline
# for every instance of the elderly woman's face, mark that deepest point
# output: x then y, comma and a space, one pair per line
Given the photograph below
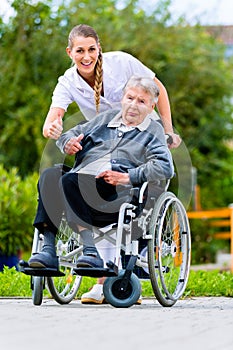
136, 105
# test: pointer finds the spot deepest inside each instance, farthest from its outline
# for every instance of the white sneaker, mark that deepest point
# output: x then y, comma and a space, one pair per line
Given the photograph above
139, 301
95, 296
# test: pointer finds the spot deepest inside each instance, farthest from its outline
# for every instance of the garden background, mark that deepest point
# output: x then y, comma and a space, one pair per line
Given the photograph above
189, 60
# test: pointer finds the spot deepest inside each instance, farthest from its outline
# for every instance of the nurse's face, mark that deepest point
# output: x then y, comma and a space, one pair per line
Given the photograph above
84, 53
136, 105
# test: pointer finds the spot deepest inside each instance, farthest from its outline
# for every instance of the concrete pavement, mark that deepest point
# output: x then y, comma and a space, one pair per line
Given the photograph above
197, 323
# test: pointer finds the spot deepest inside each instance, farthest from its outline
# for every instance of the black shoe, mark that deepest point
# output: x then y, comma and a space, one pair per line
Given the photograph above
90, 258
43, 259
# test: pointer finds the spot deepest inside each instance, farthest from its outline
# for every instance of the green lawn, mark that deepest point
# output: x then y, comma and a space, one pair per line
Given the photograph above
201, 283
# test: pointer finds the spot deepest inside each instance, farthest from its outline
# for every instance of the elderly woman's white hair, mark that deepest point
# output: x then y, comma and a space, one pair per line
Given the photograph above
146, 84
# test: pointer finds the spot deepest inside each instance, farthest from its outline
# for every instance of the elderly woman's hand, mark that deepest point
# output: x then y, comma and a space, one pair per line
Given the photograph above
114, 177
73, 145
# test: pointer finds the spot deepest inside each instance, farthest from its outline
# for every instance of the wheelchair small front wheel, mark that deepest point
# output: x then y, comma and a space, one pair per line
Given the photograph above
116, 296
37, 289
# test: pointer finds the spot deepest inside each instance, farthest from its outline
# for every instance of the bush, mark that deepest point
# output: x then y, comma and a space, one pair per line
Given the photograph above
17, 205
14, 283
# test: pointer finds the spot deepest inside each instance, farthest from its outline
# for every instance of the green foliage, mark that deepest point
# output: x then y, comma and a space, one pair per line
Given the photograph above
204, 246
211, 283
188, 60
17, 207
14, 283
201, 283
26, 83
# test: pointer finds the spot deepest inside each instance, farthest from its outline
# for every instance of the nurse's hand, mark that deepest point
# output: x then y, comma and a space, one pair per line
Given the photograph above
55, 128
173, 140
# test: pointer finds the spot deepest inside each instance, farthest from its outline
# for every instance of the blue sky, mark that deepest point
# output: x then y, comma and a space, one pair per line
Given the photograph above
206, 12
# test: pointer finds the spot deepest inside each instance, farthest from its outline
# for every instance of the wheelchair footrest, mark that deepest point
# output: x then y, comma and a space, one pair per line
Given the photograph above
110, 271
39, 271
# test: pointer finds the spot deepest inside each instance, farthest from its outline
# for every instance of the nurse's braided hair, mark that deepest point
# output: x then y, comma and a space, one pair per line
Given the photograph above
87, 31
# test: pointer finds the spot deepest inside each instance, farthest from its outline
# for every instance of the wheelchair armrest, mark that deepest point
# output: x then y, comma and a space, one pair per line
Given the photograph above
139, 197
142, 192
138, 193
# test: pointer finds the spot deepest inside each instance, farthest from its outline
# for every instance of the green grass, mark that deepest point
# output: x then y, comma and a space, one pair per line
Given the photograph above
201, 283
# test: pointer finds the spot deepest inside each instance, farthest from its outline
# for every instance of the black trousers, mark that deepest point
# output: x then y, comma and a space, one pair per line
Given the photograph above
85, 200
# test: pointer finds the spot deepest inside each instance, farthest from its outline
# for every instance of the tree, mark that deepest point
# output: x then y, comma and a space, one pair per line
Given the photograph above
31, 63
186, 59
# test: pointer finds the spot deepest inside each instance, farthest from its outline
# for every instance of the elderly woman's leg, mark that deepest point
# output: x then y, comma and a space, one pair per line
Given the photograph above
83, 196
48, 216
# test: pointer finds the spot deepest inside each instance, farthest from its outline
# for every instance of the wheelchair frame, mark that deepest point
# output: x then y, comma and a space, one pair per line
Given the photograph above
166, 232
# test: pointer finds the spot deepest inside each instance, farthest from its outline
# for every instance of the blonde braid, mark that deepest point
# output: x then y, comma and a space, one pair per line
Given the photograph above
98, 80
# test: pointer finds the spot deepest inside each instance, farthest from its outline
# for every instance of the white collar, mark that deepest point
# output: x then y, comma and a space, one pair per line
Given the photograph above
117, 122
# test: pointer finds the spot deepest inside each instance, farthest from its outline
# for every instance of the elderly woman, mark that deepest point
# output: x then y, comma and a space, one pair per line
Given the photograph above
117, 150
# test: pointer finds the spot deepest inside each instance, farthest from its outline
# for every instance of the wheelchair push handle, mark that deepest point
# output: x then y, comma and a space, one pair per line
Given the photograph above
169, 139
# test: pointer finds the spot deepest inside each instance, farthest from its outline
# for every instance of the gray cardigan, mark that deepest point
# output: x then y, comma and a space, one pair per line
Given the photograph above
142, 152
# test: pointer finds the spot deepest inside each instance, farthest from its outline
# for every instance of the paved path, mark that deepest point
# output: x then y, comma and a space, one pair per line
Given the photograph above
198, 323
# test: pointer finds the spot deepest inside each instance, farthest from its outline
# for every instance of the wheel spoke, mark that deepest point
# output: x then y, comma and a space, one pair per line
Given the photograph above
64, 289
169, 249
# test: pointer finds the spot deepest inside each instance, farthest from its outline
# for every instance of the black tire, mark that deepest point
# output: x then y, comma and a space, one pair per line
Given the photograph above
37, 290
64, 288
169, 249
116, 297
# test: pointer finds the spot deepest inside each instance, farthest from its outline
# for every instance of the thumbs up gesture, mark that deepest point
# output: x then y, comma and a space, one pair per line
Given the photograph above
55, 128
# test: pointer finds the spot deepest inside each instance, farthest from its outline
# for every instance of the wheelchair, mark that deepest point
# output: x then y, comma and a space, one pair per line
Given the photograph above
164, 231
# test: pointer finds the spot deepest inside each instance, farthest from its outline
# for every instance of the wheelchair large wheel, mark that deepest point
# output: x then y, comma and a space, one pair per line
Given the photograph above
37, 289
37, 282
64, 288
114, 294
169, 249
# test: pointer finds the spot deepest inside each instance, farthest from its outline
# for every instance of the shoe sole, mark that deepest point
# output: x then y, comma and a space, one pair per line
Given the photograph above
83, 265
36, 264
92, 301
95, 301
88, 266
